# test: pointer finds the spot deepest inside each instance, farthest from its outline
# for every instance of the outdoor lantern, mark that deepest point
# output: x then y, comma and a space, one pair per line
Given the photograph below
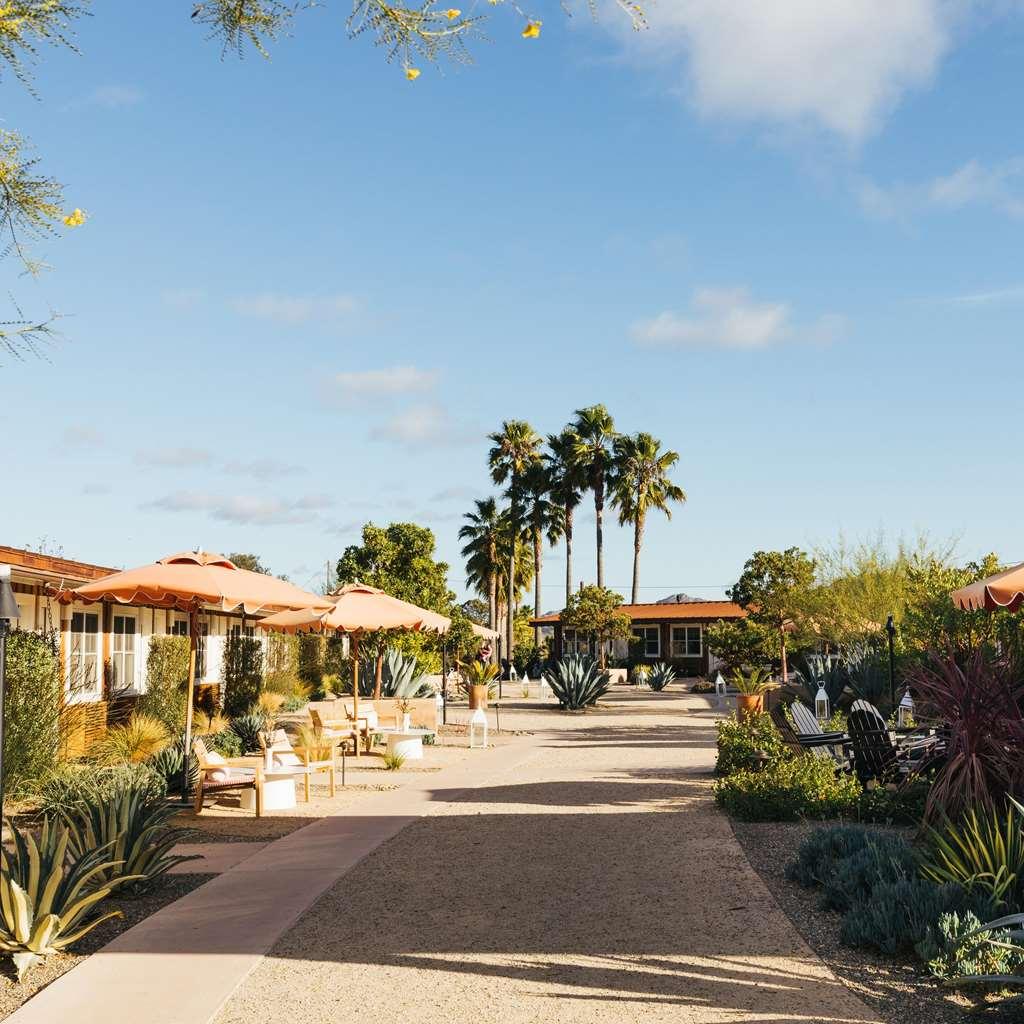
720, 689
821, 705
8, 613
906, 711
476, 720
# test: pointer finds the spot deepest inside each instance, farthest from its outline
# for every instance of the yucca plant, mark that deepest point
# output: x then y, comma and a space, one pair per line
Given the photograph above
751, 683
578, 682
49, 897
985, 850
133, 828
660, 676
136, 741
168, 762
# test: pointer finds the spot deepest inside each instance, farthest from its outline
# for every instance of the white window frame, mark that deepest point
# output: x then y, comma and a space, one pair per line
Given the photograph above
118, 653
644, 632
76, 659
686, 630
177, 625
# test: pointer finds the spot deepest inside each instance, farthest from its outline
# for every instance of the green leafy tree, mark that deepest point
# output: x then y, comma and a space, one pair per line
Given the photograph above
740, 643
773, 588
514, 449
247, 560
640, 483
595, 612
400, 559
543, 521
593, 432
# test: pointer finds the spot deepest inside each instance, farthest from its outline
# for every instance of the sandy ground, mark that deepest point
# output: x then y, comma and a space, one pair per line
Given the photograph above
599, 883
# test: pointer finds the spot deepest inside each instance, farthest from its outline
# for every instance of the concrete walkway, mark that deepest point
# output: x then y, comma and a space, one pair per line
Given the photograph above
581, 874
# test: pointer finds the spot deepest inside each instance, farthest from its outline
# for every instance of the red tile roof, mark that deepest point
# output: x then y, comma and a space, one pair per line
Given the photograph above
689, 611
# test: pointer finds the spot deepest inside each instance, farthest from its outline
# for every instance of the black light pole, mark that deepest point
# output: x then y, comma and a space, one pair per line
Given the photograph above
890, 628
8, 613
444, 684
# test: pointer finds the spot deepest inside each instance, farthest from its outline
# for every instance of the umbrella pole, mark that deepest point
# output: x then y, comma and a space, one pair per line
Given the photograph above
355, 687
193, 640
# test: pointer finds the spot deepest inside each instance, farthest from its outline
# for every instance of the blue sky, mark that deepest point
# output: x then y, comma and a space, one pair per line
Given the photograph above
783, 238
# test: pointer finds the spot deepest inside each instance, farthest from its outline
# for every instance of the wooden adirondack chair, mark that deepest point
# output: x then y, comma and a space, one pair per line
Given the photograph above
810, 733
335, 731
878, 754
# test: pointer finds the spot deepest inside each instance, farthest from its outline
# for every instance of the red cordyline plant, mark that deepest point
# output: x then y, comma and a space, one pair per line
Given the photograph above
980, 700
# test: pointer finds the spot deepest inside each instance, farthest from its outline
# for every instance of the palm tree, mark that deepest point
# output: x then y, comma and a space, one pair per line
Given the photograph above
482, 533
542, 518
514, 448
567, 483
639, 482
593, 436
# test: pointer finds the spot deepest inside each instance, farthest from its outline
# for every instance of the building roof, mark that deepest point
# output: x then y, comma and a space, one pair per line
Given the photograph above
688, 611
51, 568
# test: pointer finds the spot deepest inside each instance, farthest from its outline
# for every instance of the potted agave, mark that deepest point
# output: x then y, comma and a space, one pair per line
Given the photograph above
750, 690
478, 676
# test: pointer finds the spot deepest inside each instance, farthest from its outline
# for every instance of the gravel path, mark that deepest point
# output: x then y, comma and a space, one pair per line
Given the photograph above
599, 883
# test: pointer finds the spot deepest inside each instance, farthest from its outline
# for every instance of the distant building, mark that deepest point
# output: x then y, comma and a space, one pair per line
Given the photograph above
670, 631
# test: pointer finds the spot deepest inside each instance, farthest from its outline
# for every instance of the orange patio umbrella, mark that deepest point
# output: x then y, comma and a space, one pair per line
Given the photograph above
1002, 592
189, 581
358, 608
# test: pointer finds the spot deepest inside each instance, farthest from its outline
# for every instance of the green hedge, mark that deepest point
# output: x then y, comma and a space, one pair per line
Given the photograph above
166, 681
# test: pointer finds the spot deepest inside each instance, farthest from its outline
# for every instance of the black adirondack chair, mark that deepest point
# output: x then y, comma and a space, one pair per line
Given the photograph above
877, 752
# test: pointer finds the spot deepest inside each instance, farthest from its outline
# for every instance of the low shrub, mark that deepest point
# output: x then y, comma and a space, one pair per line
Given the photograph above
72, 783
293, 704
393, 762
49, 897
227, 743
959, 948
168, 764
136, 741
819, 853
801, 787
882, 860
744, 739
702, 686
902, 915
577, 681
902, 805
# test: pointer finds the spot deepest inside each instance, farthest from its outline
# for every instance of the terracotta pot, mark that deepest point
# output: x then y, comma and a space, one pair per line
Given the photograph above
478, 696
749, 703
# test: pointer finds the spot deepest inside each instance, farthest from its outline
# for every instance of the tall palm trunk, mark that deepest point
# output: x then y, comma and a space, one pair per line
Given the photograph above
568, 554
638, 539
492, 600
509, 633
537, 559
599, 517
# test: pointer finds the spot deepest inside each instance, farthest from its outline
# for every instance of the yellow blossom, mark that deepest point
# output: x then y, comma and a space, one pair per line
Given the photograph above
452, 13
412, 74
75, 219
532, 30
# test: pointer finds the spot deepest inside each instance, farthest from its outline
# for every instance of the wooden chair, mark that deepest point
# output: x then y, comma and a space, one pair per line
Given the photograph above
821, 746
219, 774
302, 760
329, 729
878, 755
811, 735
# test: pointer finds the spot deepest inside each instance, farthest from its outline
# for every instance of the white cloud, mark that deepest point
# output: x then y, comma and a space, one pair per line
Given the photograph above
998, 186
294, 309
730, 318
243, 509
391, 382
840, 64
262, 469
174, 458
428, 425
989, 297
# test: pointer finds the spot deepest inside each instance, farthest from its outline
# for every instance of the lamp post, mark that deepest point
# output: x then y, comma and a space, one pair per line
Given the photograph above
890, 628
8, 613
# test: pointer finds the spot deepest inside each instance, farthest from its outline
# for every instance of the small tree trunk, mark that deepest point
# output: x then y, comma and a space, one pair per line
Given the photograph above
568, 554
538, 554
378, 675
599, 518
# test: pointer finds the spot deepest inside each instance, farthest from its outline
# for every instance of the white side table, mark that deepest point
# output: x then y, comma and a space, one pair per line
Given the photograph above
278, 792
407, 744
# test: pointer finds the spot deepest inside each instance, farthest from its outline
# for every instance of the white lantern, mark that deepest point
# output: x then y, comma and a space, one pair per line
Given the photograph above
477, 720
905, 714
719, 690
821, 705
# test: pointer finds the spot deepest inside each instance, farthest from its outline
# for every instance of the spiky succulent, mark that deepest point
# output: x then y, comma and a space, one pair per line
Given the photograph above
660, 676
577, 681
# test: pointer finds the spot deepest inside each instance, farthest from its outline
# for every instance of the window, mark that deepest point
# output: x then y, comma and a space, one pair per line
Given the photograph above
239, 630
687, 642
177, 625
123, 652
651, 640
201, 638
84, 656
575, 643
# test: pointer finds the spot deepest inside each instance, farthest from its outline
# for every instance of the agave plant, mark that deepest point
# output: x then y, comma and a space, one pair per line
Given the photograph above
49, 897
868, 676
168, 763
985, 850
660, 676
401, 676
817, 672
577, 681
134, 830
248, 727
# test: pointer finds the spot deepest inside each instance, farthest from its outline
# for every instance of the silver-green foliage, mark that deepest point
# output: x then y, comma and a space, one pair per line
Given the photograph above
401, 677
660, 675
69, 783
136, 831
966, 949
577, 681
49, 896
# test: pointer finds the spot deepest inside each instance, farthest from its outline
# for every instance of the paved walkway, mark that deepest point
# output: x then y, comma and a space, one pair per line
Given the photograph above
586, 877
